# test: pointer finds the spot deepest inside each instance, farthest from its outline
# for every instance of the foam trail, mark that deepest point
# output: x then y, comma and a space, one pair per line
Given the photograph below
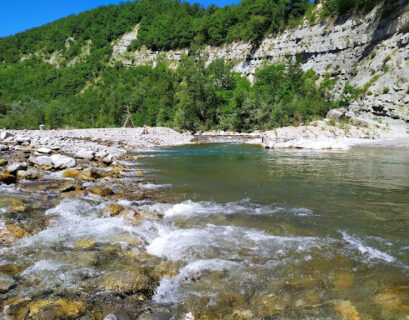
168, 290
370, 252
206, 208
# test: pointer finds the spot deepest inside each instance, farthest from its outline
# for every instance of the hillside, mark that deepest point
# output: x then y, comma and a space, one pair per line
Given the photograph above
258, 65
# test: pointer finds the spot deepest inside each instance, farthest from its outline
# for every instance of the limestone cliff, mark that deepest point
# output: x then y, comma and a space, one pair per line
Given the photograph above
369, 52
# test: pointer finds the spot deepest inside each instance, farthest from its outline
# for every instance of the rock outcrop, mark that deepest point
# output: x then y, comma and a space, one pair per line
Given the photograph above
369, 52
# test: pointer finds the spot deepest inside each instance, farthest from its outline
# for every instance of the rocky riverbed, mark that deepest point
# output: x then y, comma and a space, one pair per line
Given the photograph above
84, 235
68, 243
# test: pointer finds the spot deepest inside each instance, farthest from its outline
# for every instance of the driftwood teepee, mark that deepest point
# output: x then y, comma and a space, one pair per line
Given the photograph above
128, 119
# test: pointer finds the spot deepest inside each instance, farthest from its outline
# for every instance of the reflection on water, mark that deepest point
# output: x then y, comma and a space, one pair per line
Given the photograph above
222, 231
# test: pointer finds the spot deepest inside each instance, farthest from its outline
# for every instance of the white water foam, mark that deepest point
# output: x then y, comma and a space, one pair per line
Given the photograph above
168, 290
150, 186
369, 252
227, 241
205, 208
77, 219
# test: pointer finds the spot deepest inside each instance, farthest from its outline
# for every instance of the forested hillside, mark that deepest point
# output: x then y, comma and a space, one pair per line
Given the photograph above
86, 89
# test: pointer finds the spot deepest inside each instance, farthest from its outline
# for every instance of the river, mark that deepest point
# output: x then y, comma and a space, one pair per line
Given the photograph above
231, 231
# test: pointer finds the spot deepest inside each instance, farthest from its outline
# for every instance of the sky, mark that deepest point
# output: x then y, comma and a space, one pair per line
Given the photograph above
20, 15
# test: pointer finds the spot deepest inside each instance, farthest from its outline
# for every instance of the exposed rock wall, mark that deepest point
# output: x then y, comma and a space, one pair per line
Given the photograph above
368, 51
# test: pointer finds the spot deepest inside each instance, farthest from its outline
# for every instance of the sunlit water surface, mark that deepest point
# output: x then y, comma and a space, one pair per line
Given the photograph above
248, 233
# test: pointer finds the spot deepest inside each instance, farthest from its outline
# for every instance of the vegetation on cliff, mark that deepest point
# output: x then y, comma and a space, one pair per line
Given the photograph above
89, 90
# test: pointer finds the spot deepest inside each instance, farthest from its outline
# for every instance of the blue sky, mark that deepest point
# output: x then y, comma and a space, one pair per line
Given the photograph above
17, 16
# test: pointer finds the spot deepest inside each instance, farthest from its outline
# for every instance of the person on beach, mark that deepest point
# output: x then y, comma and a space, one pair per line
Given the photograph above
144, 130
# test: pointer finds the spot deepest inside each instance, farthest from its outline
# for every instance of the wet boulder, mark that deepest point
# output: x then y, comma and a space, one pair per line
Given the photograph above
3, 147
12, 233
41, 160
6, 283
100, 191
60, 161
86, 243
127, 282
27, 175
55, 309
115, 209
14, 167
7, 178
3, 162
72, 173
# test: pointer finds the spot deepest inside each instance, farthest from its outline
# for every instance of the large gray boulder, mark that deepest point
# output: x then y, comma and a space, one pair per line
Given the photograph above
60, 161
41, 160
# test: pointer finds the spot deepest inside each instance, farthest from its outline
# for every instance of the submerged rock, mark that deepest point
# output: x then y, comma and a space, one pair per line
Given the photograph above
128, 282
101, 191
12, 233
6, 283
3, 162
67, 187
73, 173
14, 204
115, 209
395, 299
343, 280
27, 175
55, 309
86, 243
346, 310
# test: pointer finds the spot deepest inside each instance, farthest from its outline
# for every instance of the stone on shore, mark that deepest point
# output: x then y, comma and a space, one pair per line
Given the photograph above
60, 161
108, 159
44, 150
85, 154
4, 135
41, 160
23, 140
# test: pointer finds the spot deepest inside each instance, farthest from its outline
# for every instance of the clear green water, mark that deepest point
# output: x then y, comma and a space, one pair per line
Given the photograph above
219, 231
301, 233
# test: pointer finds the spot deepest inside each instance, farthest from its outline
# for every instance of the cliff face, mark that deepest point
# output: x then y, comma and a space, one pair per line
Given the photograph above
369, 52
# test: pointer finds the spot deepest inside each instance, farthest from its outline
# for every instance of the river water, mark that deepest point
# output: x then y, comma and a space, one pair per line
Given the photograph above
242, 233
